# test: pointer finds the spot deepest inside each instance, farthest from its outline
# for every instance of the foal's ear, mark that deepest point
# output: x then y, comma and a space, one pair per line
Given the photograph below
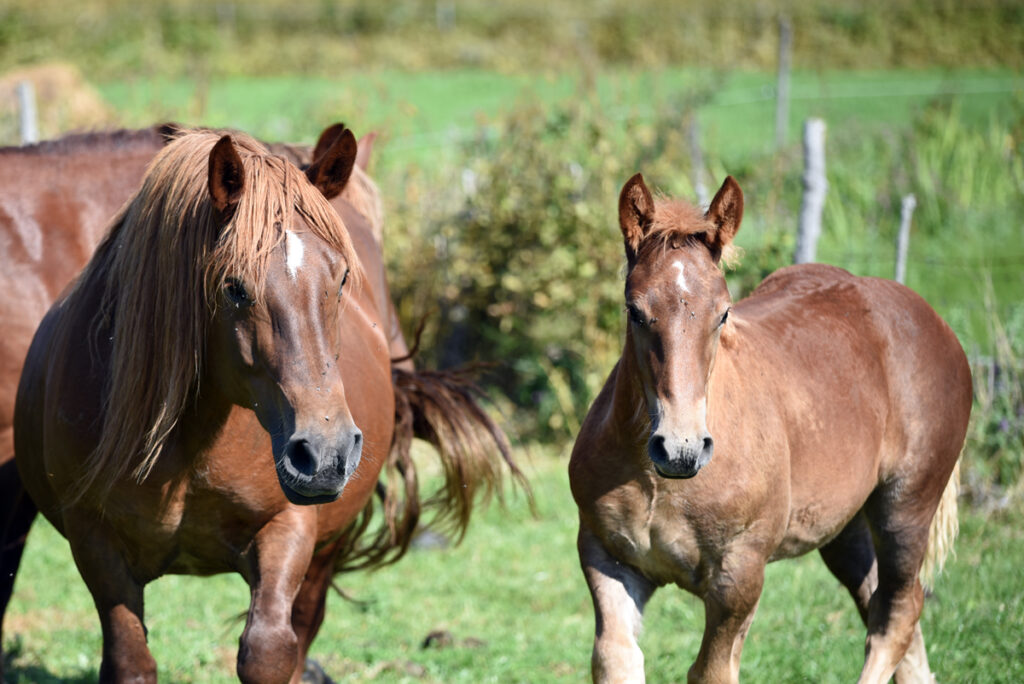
330, 171
227, 176
326, 139
636, 214
725, 214
365, 148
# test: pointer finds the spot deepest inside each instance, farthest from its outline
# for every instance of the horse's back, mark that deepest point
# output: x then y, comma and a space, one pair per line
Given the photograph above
903, 347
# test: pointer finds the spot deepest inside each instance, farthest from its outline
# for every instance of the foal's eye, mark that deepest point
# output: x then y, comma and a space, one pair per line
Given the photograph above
725, 317
344, 279
236, 292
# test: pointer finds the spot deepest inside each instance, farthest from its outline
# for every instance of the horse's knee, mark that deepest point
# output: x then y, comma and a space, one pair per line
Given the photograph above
267, 653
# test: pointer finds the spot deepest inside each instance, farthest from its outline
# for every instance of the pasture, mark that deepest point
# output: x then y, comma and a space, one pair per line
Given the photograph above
500, 175
512, 600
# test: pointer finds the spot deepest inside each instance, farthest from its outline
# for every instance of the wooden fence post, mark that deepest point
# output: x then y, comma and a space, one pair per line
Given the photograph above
697, 162
27, 108
903, 241
815, 187
782, 83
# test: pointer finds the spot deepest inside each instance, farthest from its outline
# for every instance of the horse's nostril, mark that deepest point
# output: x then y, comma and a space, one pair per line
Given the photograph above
656, 446
708, 444
357, 439
300, 454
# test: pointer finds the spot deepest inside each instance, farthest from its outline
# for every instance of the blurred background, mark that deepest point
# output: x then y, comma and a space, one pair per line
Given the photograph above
508, 128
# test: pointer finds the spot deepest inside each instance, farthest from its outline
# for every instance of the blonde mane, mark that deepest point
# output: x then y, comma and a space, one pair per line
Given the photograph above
158, 272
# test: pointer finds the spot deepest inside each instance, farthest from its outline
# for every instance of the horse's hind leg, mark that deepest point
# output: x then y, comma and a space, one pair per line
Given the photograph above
851, 558
17, 511
899, 517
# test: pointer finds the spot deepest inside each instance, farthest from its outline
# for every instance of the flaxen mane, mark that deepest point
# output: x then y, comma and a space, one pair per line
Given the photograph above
159, 270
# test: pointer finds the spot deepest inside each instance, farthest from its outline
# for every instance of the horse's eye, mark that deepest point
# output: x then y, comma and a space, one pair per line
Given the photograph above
344, 279
236, 292
635, 316
725, 317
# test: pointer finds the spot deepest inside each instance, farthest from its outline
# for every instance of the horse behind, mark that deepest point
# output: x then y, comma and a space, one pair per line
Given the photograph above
825, 411
215, 393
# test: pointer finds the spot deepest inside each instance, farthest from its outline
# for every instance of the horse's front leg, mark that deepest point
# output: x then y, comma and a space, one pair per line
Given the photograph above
619, 594
268, 649
118, 596
730, 602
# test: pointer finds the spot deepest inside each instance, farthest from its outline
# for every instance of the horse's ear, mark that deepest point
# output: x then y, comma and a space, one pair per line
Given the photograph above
330, 171
636, 214
725, 214
326, 139
227, 176
365, 148
168, 131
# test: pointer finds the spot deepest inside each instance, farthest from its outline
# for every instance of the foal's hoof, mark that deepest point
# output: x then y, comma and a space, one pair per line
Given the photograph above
314, 674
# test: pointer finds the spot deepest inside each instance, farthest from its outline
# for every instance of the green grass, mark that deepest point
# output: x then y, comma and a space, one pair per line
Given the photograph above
515, 603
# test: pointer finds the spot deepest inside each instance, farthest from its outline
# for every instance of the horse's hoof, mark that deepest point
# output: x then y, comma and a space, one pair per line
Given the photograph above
314, 674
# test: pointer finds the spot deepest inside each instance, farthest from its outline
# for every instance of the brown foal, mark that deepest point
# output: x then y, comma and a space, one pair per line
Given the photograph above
825, 411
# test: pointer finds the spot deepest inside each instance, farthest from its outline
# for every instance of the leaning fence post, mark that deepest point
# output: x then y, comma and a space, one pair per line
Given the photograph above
903, 241
27, 107
782, 83
815, 187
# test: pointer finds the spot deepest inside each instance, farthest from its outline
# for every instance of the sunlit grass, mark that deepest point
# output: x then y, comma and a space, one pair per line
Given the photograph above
517, 610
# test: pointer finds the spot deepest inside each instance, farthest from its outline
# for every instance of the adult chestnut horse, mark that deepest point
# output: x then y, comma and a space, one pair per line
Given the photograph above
835, 407
215, 394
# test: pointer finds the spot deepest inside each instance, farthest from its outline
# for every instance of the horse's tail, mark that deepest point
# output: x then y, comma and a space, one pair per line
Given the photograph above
943, 530
442, 408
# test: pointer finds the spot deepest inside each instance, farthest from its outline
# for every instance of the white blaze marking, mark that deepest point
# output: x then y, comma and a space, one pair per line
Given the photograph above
681, 279
293, 250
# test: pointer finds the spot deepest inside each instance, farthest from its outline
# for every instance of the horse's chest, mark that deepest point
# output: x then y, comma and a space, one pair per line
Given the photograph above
640, 532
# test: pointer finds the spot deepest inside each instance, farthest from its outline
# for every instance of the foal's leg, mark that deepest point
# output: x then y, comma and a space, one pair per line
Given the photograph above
118, 597
851, 558
268, 650
619, 594
729, 606
900, 518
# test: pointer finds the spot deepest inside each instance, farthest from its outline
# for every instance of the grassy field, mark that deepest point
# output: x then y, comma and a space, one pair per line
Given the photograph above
517, 610
918, 96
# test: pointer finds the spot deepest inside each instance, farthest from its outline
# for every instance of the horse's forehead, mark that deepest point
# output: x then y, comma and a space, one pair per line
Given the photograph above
682, 271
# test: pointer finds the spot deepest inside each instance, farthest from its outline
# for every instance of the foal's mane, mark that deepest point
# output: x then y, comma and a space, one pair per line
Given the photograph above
158, 272
677, 223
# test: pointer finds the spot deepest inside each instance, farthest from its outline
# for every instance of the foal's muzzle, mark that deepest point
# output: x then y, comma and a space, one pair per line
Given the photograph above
679, 459
314, 468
